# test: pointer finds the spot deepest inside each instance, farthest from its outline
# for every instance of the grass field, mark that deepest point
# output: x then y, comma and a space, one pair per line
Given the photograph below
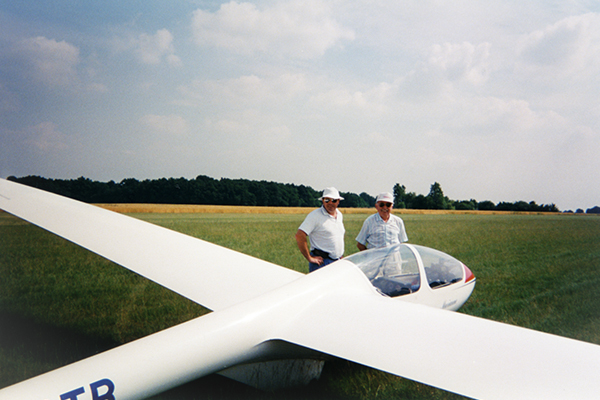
59, 303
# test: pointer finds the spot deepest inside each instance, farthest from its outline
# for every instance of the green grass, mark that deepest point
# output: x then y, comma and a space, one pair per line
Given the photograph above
61, 302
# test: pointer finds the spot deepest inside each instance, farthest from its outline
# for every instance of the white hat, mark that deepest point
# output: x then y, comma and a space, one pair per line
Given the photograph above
385, 196
331, 193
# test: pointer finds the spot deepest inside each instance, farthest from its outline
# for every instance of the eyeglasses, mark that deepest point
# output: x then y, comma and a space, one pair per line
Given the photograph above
331, 200
388, 205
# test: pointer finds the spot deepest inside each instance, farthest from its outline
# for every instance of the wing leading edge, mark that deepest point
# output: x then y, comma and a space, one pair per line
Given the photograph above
194, 268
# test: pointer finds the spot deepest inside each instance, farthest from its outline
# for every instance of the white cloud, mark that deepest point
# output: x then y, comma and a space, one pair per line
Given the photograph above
368, 103
299, 29
49, 61
165, 124
442, 89
248, 90
174, 60
570, 46
464, 61
152, 48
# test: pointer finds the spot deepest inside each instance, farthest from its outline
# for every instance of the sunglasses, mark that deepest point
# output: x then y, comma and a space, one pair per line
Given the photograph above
388, 205
331, 200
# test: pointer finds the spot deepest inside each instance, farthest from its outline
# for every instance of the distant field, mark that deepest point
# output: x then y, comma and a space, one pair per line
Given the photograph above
60, 302
210, 209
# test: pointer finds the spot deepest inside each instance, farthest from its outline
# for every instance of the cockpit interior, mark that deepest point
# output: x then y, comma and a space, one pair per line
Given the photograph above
395, 270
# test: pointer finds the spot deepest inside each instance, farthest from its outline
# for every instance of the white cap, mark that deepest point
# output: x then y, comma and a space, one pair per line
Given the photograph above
331, 193
386, 197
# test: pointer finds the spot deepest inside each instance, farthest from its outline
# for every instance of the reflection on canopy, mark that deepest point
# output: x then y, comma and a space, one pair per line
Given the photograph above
394, 270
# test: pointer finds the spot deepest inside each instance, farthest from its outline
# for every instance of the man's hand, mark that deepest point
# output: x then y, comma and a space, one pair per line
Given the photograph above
302, 241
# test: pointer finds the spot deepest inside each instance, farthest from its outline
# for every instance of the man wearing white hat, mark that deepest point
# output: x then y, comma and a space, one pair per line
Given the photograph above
325, 229
384, 228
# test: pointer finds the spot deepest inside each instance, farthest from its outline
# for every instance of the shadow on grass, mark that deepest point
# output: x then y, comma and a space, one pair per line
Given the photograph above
29, 348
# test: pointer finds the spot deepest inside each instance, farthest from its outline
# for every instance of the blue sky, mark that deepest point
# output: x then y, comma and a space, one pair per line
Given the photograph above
494, 100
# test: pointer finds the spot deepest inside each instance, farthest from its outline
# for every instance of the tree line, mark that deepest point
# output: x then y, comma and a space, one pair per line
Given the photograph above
201, 190
436, 200
243, 192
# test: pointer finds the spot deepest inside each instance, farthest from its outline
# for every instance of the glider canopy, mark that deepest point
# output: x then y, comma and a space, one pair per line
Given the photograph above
400, 269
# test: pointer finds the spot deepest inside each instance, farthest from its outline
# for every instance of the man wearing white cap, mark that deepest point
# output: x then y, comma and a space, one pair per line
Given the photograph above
325, 229
382, 229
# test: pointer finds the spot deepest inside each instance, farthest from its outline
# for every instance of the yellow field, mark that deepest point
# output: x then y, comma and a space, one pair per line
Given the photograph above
210, 209
198, 208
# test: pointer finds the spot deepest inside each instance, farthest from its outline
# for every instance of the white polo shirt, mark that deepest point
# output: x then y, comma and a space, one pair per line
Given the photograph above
325, 231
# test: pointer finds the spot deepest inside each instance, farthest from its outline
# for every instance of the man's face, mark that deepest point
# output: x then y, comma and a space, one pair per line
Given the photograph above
330, 204
384, 208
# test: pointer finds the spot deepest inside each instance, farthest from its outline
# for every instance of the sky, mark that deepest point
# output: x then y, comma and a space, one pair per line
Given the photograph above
494, 101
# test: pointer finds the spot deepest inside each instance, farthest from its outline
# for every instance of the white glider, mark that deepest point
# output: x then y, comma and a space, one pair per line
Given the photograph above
381, 308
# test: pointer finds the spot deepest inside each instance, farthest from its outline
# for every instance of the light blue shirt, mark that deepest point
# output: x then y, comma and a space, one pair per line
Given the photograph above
376, 232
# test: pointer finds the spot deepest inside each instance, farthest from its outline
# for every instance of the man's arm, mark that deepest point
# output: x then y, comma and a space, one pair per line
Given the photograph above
302, 241
361, 239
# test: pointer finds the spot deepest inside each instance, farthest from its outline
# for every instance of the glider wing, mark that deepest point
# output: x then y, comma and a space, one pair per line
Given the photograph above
189, 266
456, 352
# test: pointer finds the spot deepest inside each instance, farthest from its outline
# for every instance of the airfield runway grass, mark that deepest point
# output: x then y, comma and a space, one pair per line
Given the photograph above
59, 303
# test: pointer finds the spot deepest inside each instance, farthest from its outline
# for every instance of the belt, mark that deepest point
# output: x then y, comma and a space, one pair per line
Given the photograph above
322, 253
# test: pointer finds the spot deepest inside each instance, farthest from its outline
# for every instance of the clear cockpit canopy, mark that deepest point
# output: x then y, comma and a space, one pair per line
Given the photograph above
440, 268
394, 270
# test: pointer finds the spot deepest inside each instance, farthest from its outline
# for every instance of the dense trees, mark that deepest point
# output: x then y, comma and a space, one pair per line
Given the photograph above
206, 190
201, 190
436, 200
